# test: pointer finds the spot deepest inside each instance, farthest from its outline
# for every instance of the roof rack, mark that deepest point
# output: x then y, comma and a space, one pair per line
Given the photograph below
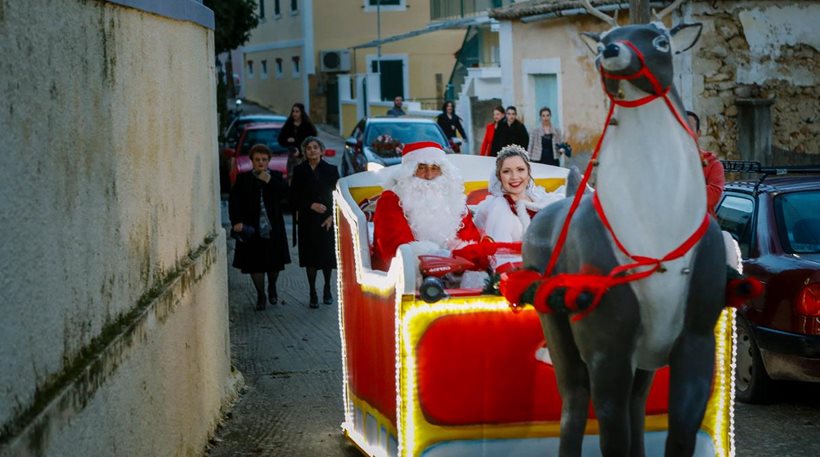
753, 166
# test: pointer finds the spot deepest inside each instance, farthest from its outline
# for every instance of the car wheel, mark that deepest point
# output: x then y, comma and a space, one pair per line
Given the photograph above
751, 380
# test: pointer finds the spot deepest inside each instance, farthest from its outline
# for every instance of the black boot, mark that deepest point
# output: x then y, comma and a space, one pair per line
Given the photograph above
314, 299
260, 302
327, 296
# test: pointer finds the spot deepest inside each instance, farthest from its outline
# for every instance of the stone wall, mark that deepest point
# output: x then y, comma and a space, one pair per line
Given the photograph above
114, 335
759, 49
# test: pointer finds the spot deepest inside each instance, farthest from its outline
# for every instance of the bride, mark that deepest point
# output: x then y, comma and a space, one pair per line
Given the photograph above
513, 200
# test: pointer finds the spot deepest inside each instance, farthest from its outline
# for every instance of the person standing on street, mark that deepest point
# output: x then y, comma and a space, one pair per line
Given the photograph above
297, 127
258, 225
712, 168
449, 122
489, 132
544, 141
512, 131
396, 110
311, 196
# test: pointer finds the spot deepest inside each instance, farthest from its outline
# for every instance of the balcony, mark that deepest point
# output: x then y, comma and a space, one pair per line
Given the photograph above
454, 9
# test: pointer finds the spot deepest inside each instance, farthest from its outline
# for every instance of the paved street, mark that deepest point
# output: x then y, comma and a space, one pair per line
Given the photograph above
292, 404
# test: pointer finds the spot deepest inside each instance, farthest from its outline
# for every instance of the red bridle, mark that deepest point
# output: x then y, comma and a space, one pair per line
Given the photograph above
513, 284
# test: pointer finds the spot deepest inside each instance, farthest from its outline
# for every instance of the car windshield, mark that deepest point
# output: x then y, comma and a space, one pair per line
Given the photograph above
268, 137
798, 220
387, 139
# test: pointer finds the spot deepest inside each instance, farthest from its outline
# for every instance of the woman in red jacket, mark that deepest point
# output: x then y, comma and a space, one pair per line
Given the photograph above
487, 143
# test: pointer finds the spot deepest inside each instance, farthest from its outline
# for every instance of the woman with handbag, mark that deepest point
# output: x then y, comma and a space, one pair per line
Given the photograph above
258, 225
545, 141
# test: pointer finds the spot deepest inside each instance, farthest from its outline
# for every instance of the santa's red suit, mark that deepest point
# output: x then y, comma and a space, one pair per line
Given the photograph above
391, 229
393, 220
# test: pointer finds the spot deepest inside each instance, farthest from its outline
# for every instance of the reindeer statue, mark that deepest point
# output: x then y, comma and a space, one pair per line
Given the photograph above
641, 278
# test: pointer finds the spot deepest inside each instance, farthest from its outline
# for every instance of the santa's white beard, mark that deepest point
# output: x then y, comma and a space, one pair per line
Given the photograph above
433, 208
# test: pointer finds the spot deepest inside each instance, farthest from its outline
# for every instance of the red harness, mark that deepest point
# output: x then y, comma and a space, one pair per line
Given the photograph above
514, 284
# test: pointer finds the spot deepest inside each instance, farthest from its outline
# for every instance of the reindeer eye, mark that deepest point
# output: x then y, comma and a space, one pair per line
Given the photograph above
661, 43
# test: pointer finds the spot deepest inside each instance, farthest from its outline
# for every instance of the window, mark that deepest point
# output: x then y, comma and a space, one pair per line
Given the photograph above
295, 66
250, 69
264, 69
371, 6
279, 68
294, 6
735, 216
277, 11
261, 9
798, 221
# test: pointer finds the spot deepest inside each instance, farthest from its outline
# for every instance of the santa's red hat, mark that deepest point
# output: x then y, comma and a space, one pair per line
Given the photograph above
422, 152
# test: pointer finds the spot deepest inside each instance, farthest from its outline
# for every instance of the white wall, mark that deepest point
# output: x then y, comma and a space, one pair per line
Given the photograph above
113, 265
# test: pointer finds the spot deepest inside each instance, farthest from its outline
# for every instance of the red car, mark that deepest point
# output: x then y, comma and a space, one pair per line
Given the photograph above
265, 133
776, 222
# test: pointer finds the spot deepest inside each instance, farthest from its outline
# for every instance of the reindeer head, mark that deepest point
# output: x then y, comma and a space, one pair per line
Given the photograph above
639, 54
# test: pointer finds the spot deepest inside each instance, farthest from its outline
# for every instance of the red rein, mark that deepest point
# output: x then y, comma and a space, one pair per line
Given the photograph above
514, 284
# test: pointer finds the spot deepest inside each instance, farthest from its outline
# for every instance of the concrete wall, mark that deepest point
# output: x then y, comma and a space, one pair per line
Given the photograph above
757, 49
114, 336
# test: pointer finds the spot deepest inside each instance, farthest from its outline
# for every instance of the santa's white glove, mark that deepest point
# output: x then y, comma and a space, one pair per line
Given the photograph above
426, 248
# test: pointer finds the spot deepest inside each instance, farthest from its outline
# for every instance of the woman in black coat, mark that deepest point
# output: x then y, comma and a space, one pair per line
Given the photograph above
293, 133
312, 199
450, 122
258, 225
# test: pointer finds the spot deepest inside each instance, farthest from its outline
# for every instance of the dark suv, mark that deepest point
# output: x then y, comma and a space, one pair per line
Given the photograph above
776, 222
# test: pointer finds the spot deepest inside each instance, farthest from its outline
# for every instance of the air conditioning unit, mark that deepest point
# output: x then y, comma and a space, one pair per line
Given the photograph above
334, 60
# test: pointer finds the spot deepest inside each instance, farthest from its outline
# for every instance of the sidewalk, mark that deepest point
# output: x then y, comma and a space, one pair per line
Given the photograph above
290, 358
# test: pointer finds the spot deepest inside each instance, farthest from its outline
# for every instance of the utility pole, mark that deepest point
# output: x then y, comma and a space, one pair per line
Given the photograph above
639, 11
379, 37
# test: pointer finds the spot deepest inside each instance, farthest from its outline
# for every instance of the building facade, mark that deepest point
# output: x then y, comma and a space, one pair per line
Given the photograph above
754, 59
301, 47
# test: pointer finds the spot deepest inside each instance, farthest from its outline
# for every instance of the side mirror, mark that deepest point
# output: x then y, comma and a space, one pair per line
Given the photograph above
229, 152
351, 141
456, 140
330, 153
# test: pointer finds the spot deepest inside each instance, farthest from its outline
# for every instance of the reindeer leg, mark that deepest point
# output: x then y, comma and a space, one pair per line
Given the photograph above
691, 365
637, 410
693, 356
573, 383
612, 376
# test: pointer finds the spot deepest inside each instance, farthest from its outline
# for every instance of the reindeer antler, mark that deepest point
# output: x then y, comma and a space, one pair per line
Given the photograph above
667, 10
604, 17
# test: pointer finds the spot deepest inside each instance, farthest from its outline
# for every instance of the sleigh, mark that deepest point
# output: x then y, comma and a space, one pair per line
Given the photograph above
467, 376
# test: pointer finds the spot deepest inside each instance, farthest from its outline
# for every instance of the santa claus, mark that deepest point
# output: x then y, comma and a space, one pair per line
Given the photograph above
425, 207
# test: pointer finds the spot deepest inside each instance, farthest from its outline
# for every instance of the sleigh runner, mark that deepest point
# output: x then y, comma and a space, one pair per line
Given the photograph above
467, 375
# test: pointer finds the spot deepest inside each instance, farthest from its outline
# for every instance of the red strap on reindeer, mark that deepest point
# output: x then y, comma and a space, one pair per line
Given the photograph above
514, 284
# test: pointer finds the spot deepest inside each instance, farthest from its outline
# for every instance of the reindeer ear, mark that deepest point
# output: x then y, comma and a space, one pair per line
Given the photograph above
591, 39
684, 36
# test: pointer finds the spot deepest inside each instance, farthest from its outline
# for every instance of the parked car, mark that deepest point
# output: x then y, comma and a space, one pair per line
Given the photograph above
267, 134
231, 137
776, 221
377, 142
236, 127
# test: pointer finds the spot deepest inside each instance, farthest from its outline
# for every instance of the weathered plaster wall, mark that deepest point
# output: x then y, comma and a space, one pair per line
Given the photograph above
759, 49
583, 103
114, 335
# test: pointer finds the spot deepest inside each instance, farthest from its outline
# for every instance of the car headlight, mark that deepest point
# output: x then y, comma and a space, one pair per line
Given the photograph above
373, 166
